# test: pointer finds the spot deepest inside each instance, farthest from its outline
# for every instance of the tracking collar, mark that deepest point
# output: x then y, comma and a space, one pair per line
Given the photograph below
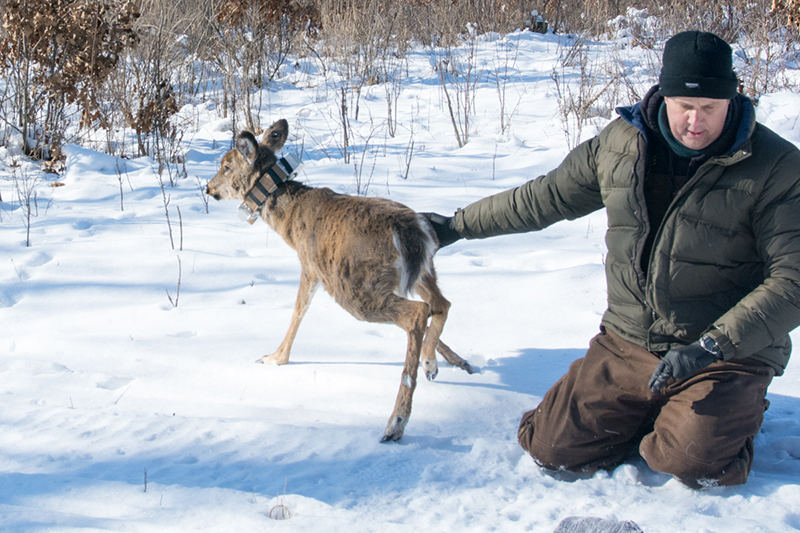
285, 169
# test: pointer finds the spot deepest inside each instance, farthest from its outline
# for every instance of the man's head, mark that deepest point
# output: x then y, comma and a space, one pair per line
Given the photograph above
696, 122
697, 82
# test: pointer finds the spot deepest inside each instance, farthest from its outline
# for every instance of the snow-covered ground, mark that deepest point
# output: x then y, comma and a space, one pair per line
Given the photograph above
130, 406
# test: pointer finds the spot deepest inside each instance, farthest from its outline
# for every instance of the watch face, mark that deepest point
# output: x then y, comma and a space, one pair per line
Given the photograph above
710, 345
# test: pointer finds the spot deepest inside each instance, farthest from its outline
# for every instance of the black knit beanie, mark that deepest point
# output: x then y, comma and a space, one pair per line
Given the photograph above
697, 64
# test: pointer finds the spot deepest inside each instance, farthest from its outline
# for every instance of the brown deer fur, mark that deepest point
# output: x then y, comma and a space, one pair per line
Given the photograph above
368, 253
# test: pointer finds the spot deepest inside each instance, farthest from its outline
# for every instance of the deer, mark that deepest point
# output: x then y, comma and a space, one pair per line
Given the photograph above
370, 254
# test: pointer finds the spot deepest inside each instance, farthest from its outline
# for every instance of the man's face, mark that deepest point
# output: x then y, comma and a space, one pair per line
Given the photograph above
696, 122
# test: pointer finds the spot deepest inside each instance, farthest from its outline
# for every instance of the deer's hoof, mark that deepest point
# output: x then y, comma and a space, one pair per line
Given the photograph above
394, 430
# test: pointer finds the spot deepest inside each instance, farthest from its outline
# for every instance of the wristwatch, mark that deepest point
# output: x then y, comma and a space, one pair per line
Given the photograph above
711, 346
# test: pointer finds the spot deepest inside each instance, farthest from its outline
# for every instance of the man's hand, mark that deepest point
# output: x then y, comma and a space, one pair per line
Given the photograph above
443, 226
681, 363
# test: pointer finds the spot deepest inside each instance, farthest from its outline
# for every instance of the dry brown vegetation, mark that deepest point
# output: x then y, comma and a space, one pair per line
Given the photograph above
71, 66
58, 53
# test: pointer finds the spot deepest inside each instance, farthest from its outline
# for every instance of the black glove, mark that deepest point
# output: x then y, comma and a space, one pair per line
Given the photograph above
680, 363
443, 226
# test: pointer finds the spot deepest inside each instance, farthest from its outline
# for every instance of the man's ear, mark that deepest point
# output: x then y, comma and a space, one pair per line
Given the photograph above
247, 145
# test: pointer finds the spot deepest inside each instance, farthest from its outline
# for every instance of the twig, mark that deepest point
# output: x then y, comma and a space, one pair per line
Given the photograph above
494, 161
180, 226
166, 199
409, 155
280, 511
117, 401
202, 194
345, 133
178, 291
16, 270
119, 178
442, 76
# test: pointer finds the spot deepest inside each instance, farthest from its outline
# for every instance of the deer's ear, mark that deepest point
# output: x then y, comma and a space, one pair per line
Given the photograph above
247, 145
275, 136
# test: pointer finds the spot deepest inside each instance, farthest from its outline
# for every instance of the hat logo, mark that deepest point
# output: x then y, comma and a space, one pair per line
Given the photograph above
690, 85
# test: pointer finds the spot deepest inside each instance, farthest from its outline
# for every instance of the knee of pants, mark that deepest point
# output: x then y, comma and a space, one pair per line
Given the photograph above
566, 455
525, 432
697, 470
529, 443
544, 455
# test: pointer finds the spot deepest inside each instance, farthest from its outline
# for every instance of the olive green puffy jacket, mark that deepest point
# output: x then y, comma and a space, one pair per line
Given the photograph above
726, 259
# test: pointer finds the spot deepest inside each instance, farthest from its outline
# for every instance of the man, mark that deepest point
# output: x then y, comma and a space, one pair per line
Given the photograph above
703, 273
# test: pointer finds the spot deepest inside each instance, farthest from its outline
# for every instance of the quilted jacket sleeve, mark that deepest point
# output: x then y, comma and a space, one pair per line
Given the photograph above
764, 317
566, 193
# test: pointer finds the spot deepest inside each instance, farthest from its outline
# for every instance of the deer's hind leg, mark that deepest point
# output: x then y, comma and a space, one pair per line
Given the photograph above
429, 291
412, 317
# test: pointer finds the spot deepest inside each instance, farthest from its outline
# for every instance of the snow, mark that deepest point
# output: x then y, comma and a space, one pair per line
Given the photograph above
132, 403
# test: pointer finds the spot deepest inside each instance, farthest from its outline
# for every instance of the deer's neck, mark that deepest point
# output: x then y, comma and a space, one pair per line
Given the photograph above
286, 210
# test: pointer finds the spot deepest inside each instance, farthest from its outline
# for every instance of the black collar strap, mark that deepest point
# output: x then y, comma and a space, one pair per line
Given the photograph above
282, 171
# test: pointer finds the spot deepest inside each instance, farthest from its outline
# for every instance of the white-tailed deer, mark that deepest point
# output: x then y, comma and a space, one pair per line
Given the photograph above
368, 253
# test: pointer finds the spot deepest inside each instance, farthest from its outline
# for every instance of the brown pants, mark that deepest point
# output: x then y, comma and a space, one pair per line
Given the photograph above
699, 430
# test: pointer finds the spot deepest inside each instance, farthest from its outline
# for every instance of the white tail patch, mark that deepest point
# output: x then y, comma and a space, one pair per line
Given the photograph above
430, 243
406, 286
402, 290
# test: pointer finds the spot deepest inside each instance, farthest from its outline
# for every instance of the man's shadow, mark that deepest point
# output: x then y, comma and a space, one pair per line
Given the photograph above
534, 370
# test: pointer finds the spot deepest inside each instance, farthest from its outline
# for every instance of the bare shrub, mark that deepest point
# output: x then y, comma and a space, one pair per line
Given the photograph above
26, 183
254, 38
55, 53
726, 18
146, 92
70, 63
578, 100
458, 75
764, 46
504, 62
444, 22
763, 33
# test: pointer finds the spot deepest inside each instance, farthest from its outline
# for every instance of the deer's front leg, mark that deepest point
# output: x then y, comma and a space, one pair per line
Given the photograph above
308, 285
